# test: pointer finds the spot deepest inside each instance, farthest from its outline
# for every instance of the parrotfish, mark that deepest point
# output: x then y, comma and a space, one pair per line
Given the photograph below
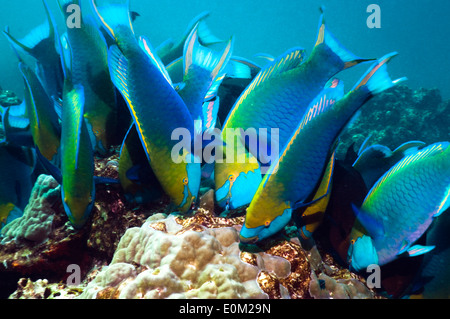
89, 68
292, 179
400, 207
77, 155
44, 121
375, 160
280, 93
42, 43
168, 51
156, 108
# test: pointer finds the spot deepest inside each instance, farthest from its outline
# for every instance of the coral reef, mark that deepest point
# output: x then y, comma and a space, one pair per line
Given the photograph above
397, 116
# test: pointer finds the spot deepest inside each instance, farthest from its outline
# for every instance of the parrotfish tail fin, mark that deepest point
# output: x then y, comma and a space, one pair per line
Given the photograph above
113, 14
377, 79
241, 68
205, 35
26, 44
146, 46
327, 42
197, 55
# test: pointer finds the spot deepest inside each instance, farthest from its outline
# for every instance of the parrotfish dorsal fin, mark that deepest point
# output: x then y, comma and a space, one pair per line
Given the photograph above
408, 148
146, 46
287, 61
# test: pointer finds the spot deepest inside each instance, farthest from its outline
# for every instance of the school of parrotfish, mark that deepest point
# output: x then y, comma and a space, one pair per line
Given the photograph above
100, 85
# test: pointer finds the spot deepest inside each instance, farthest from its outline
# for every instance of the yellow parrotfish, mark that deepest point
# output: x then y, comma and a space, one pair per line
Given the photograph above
292, 179
276, 97
400, 207
44, 122
89, 68
156, 108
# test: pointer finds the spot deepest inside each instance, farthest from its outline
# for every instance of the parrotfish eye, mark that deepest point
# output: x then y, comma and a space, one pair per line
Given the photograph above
352, 241
231, 178
185, 181
267, 223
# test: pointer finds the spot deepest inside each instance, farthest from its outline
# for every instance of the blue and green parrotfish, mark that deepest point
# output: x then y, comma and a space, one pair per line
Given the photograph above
400, 207
89, 68
293, 178
279, 94
156, 108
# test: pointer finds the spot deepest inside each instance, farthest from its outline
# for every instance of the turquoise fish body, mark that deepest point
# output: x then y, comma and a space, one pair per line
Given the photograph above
292, 179
89, 68
400, 207
277, 99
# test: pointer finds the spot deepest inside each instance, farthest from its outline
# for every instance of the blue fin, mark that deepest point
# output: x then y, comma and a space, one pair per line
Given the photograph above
27, 44
373, 226
445, 204
408, 148
207, 59
377, 79
325, 37
205, 36
112, 14
418, 250
145, 45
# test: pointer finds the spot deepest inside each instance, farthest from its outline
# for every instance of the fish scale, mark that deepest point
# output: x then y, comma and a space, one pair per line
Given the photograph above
404, 202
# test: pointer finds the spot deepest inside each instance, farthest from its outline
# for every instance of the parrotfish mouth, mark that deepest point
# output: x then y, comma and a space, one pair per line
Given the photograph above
248, 240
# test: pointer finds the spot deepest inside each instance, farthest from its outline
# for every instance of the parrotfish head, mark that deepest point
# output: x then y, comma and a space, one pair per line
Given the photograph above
191, 186
78, 210
238, 187
362, 253
268, 228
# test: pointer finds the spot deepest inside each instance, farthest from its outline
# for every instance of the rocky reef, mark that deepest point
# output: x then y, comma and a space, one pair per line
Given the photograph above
399, 115
143, 251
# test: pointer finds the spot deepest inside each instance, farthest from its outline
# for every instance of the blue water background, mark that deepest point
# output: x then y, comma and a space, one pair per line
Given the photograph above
417, 29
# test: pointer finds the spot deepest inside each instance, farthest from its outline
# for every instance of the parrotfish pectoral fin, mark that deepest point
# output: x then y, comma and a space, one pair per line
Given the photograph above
377, 79
373, 226
146, 46
112, 14
418, 250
